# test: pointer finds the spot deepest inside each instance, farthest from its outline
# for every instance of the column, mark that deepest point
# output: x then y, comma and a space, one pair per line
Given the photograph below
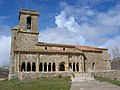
47, 66
25, 66
31, 65
15, 62
82, 64
37, 63
51, 67
71, 66
43, 67
18, 65
56, 67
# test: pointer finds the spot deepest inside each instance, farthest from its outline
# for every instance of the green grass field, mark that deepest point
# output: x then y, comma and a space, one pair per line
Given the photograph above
40, 84
101, 79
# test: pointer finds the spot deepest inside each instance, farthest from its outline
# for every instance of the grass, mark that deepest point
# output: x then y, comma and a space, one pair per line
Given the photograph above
101, 79
40, 84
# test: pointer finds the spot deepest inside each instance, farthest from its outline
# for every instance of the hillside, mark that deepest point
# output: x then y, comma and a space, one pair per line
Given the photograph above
4, 72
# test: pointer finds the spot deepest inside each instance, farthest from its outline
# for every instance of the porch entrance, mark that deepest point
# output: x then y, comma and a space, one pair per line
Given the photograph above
62, 66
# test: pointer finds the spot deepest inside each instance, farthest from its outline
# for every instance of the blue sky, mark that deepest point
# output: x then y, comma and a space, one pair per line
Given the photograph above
77, 22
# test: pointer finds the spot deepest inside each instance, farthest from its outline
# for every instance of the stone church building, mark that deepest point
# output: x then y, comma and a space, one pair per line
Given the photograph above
32, 59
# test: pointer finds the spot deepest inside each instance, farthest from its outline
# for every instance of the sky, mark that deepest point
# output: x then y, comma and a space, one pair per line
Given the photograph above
77, 22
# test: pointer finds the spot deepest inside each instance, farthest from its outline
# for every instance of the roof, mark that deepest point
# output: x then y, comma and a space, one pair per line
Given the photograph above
83, 48
16, 27
88, 48
56, 45
51, 51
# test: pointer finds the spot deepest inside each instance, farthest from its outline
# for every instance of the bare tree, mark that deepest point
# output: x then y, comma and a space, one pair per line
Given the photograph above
115, 52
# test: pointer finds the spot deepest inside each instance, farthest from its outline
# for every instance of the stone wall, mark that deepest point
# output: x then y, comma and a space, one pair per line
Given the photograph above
37, 75
111, 74
26, 41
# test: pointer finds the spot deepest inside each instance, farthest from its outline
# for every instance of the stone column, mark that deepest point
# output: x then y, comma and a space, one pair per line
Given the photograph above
18, 64
51, 67
42, 66
25, 66
37, 63
82, 64
15, 65
47, 66
56, 67
31, 65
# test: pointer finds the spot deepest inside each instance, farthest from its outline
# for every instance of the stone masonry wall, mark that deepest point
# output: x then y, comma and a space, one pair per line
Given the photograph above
37, 75
111, 74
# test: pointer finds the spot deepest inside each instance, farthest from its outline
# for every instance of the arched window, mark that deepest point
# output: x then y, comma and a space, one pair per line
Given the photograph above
33, 67
23, 66
28, 23
28, 67
93, 66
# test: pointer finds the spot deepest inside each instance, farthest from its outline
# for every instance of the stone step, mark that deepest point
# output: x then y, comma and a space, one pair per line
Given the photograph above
82, 77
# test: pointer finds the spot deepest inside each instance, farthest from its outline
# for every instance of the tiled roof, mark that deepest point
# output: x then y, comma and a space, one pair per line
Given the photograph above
87, 48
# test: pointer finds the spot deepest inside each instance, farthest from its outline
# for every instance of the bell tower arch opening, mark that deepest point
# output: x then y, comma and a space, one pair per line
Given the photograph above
28, 23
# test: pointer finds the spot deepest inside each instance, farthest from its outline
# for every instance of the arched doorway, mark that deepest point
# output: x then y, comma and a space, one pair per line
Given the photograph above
62, 66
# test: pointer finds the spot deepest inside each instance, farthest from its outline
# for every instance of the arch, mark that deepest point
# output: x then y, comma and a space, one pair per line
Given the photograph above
77, 67
33, 66
28, 67
28, 24
23, 66
74, 67
93, 66
53, 67
49, 67
62, 66
40, 67
70, 66
45, 67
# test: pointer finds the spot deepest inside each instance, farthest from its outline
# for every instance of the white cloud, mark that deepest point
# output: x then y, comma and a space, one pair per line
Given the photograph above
4, 50
84, 26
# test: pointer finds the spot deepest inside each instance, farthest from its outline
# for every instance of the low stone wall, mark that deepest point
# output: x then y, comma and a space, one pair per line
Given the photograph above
111, 74
37, 75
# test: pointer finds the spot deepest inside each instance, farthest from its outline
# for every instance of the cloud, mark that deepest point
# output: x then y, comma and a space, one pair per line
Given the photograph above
84, 26
5, 35
4, 50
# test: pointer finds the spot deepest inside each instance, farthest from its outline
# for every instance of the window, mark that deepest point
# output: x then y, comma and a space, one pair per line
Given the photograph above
28, 23
45, 48
64, 49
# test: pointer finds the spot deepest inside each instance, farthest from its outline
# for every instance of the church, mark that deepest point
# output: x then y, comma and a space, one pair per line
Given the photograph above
32, 59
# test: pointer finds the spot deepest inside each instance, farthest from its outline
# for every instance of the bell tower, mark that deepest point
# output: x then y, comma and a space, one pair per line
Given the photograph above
28, 30
24, 38
28, 21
